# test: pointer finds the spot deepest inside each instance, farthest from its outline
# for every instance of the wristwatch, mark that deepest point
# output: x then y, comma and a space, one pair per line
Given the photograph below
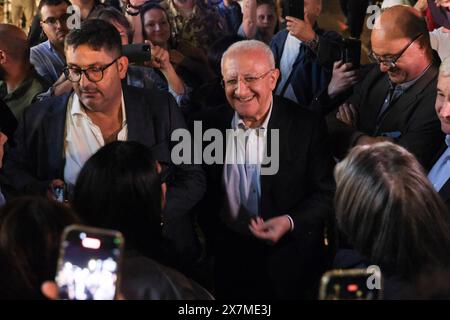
313, 44
132, 10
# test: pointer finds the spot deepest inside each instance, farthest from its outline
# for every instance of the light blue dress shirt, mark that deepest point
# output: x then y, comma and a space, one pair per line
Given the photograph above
440, 172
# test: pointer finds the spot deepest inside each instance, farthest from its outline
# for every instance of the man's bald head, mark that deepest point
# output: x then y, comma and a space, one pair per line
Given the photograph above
14, 42
400, 22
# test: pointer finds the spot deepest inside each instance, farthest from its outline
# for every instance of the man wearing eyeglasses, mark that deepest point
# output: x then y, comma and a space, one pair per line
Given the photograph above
395, 101
58, 135
266, 230
48, 57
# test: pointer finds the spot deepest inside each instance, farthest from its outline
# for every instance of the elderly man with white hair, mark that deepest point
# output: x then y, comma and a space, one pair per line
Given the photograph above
266, 229
440, 172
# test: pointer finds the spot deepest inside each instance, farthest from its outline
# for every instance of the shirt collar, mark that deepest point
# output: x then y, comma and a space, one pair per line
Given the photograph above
447, 140
406, 85
239, 123
77, 110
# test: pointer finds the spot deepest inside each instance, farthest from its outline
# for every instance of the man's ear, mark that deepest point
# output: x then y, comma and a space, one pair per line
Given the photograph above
123, 66
2, 57
275, 74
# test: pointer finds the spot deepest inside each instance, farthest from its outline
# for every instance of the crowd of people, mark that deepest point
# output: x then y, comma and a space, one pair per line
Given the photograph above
243, 153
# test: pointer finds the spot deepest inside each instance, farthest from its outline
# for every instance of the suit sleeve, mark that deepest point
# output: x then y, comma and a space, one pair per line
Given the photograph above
18, 163
317, 209
424, 136
189, 183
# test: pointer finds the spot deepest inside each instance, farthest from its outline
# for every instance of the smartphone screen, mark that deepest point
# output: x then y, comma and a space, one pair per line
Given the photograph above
349, 285
89, 263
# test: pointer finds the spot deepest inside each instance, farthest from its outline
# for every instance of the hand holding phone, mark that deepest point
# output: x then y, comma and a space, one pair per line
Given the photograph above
89, 263
137, 53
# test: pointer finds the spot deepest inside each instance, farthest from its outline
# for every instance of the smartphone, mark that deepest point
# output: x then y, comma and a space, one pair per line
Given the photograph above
137, 53
351, 284
351, 52
89, 263
60, 193
296, 9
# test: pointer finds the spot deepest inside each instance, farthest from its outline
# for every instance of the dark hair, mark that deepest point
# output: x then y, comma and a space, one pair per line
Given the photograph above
111, 14
119, 188
217, 50
97, 34
390, 212
147, 7
51, 3
30, 232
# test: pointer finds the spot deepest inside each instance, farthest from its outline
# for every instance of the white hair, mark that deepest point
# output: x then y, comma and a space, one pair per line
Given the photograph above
445, 67
247, 45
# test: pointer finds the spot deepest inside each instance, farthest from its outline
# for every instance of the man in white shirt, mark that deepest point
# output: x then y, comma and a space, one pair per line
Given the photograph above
59, 134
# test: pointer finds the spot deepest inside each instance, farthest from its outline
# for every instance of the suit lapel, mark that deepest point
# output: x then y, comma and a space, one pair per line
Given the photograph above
136, 125
376, 98
54, 128
277, 121
406, 100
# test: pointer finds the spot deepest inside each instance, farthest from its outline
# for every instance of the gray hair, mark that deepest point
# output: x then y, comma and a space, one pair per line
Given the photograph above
445, 67
246, 45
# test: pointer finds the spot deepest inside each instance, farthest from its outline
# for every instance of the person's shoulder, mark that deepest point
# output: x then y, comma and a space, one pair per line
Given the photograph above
144, 278
41, 47
47, 106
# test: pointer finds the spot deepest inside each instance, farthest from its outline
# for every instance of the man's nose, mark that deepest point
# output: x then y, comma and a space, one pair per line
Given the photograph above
241, 87
385, 67
84, 81
445, 110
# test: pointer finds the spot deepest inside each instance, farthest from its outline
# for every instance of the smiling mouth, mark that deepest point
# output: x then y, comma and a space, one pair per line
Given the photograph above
243, 99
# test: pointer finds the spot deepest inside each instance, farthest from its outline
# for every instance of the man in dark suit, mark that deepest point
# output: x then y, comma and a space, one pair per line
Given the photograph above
266, 228
439, 174
394, 102
56, 137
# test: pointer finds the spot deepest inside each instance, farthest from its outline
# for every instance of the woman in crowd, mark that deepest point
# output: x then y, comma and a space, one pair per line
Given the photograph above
120, 188
30, 232
391, 215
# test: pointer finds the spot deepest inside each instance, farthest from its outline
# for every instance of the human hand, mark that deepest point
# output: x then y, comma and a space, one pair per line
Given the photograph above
300, 29
343, 78
348, 114
271, 230
3, 139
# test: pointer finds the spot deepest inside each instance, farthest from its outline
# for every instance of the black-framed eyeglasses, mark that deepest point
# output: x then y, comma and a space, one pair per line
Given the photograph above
391, 62
53, 20
94, 74
248, 80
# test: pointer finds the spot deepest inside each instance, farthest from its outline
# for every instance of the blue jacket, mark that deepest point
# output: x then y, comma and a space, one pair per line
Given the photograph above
309, 75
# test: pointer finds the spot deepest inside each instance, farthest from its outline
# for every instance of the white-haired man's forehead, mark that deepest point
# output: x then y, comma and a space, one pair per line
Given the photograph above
445, 67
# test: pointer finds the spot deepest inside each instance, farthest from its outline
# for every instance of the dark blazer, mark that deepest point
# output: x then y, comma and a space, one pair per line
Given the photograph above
151, 118
445, 190
303, 188
411, 120
310, 75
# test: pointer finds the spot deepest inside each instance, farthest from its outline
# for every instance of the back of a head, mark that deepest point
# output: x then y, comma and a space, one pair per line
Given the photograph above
30, 233
400, 22
217, 50
14, 41
97, 34
389, 211
119, 188
112, 15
